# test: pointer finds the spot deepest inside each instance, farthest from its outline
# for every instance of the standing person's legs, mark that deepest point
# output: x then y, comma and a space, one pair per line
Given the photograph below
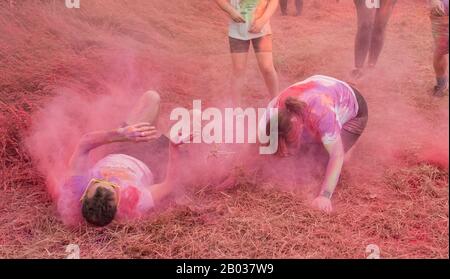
440, 64
365, 18
239, 54
441, 49
264, 56
299, 6
382, 17
283, 7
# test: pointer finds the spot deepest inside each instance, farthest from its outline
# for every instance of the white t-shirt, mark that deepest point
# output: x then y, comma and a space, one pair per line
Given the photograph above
331, 103
249, 9
134, 179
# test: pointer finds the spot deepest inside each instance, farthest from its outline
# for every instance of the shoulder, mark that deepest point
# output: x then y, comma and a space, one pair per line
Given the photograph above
68, 202
134, 202
74, 182
72, 188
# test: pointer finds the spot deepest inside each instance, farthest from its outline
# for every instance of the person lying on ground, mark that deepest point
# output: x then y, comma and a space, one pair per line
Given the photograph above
121, 185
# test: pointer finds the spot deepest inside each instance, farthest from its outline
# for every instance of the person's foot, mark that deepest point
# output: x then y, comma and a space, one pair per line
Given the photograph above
356, 74
298, 14
441, 87
440, 91
284, 14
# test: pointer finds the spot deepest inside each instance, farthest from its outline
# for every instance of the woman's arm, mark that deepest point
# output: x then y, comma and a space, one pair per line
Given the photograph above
270, 10
68, 203
135, 133
226, 6
260, 22
333, 172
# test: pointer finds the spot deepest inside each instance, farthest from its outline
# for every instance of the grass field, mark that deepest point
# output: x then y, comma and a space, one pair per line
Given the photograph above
394, 188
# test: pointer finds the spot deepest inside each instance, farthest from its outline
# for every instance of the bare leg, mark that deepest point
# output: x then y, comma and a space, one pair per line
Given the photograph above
265, 62
440, 63
146, 109
283, 6
264, 56
382, 17
365, 24
238, 79
299, 6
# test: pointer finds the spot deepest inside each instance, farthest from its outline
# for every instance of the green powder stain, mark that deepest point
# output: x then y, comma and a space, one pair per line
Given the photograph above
247, 8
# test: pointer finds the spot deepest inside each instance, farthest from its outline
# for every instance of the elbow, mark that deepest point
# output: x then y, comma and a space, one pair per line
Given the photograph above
85, 143
84, 139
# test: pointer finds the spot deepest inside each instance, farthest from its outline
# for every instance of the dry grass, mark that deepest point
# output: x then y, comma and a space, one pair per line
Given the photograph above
401, 204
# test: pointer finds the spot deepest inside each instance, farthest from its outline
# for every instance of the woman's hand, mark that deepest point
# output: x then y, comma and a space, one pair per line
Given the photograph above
323, 204
237, 17
257, 26
140, 132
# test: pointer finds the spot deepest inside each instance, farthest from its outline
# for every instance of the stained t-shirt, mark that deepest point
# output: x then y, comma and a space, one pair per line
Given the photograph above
330, 104
250, 10
133, 177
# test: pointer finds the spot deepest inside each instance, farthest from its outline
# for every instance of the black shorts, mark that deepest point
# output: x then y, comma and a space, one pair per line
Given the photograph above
262, 44
353, 129
154, 154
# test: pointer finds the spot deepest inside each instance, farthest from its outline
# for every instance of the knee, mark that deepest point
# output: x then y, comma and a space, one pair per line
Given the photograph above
365, 28
267, 69
152, 97
378, 32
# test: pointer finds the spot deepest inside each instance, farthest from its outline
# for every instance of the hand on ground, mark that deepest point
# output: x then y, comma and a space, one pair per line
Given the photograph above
323, 204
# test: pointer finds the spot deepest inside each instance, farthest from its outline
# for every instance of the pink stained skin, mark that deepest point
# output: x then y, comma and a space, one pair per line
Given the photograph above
128, 202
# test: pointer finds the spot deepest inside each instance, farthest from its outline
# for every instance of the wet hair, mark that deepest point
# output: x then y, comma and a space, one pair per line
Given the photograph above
100, 209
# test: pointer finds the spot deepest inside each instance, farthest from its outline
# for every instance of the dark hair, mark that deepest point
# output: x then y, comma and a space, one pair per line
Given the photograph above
292, 106
100, 209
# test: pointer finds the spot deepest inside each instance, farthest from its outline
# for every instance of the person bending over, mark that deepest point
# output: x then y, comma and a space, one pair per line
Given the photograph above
320, 109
